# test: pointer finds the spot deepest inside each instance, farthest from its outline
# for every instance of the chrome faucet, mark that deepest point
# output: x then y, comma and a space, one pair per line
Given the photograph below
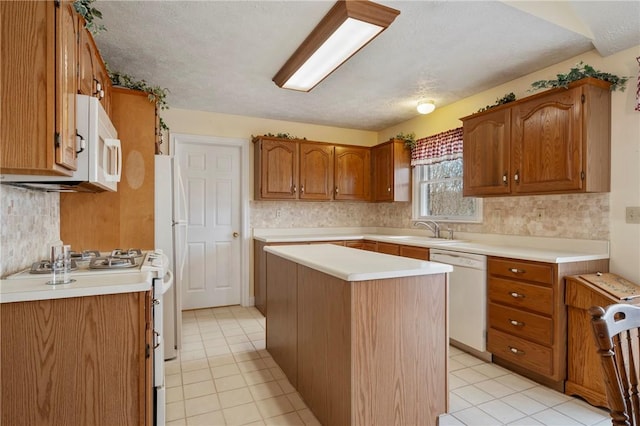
430, 225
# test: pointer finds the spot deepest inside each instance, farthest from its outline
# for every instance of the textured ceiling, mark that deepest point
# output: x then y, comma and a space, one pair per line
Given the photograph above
220, 56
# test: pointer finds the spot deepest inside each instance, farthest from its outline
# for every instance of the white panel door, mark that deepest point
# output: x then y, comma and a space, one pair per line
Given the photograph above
211, 178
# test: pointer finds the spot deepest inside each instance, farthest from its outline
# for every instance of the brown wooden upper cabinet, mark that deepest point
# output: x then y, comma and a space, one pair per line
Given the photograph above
557, 141
38, 86
292, 169
93, 76
353, 173
316, 171
307, 170
391, 171
277, 162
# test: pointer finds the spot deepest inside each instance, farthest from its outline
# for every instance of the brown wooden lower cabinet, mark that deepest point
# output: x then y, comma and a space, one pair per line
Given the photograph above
76, 361
388, 248
420, 253
527, 317
363, 352
584, 375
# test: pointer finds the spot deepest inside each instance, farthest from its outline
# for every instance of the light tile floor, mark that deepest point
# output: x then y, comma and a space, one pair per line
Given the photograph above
224, 376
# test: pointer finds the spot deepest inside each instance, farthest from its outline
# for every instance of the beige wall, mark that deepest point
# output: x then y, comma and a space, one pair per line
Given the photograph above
236, 126
588, 216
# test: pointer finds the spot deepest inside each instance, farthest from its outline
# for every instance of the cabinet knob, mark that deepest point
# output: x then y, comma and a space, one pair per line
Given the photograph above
516, 350
516, 295
302, 189
517, 271
505, 178
389, 189
516, 177
336, 189
293, 189
236, 235
516, 323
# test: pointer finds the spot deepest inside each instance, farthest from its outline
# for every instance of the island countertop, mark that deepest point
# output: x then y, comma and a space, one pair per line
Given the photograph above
350, 264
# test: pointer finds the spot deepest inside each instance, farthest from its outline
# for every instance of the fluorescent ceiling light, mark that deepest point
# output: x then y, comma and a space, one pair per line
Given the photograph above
348, 27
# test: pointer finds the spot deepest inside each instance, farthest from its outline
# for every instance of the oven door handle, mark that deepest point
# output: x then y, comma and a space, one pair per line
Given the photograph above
157, 339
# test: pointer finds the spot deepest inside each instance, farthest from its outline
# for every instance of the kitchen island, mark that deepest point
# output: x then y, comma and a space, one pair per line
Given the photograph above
362, 336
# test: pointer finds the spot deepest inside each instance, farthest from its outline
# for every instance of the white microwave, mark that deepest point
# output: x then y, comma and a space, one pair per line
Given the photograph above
99, 155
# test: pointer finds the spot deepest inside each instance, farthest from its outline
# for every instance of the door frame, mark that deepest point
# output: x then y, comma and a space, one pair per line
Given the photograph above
245, 237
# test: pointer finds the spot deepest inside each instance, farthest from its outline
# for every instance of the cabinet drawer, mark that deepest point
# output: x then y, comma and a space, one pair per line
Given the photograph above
521, 270
420, 253
519, 351
529, 326
389, 248
521, 295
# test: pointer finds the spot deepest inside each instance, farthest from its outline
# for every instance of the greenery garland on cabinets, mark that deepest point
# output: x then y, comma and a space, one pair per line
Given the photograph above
156, 94
578, 72
409, 139
509, 97
90, 14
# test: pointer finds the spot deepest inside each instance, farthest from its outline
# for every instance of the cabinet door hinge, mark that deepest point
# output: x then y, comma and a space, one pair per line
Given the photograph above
57, 3
582, 175
57, 140
582, 98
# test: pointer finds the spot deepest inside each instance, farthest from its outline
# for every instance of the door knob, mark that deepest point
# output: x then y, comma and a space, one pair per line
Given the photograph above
236, 235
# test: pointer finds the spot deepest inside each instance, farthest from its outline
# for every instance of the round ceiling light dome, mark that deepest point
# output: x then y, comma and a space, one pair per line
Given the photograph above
426, 107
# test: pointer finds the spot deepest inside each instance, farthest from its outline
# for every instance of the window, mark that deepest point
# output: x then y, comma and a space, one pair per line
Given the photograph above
437, 180
437, 194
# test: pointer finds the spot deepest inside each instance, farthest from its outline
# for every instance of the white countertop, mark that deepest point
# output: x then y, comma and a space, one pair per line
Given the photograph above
28, 289
350, 264
550, 250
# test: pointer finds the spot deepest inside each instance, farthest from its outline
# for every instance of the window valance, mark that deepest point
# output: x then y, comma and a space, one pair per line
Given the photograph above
438, 148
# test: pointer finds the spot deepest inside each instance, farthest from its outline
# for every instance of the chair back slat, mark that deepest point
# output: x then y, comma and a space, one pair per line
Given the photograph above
616, 332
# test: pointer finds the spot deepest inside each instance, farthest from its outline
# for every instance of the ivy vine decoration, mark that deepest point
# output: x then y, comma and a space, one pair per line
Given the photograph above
90, 14
409, 139
156, 94
282, 136
509, 97
578, 72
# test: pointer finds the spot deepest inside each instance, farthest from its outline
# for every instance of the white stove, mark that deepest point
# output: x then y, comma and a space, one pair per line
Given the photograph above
95, 262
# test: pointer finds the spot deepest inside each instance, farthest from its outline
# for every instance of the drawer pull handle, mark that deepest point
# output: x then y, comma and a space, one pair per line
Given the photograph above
516, 295
516, 350
517, 271
516, 323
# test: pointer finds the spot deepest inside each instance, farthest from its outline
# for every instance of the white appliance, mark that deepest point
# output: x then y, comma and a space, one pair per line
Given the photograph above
171, 238
99, 155
467, 299
158, 264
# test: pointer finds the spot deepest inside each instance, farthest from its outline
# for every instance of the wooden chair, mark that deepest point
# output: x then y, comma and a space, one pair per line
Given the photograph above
616, 333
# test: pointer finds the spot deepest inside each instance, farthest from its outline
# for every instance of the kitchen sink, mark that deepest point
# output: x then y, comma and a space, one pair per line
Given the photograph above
418, 238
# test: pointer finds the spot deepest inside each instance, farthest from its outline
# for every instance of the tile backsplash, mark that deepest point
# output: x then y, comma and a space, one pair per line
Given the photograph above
582, 216
31, 219
30, 223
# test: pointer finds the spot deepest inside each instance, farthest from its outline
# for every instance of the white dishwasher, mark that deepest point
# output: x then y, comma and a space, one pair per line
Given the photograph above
467, 299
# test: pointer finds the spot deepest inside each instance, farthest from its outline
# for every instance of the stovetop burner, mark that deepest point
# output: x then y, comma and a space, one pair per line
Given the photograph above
126, 253
111, 262
85, 254
44, 267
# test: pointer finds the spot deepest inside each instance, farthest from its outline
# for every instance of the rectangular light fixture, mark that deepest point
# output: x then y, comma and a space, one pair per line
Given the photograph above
345, 29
